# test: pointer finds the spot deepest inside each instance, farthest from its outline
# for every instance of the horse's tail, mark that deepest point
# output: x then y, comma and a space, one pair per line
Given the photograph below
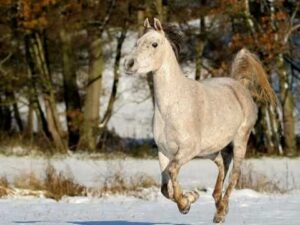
248, 69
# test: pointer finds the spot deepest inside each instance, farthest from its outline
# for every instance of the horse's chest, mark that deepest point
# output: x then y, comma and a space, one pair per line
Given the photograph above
164, 134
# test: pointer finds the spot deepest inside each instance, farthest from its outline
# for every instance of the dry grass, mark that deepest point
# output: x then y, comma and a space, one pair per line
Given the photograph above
4, 187
251, 179
118, 183
29, 181
56, 185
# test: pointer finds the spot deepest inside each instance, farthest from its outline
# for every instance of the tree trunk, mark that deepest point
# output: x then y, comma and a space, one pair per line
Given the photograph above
285, 93
28, 132
11, 98
161, 10
34, 104
88, 132
141, 18
267, 123
6, 117
71, 95
288, 109
200, 48
275, 126
89, 129
38, 55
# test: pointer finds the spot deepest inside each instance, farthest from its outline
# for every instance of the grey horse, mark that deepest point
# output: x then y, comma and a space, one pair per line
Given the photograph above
199, 119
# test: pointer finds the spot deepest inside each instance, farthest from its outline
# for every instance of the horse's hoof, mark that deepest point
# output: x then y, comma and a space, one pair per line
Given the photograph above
219, 218
184, 206
185, 210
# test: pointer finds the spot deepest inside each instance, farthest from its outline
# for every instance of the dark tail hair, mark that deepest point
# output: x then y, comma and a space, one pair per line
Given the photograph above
248, 69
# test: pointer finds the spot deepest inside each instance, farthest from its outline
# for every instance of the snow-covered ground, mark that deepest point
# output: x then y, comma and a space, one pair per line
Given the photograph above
246, 206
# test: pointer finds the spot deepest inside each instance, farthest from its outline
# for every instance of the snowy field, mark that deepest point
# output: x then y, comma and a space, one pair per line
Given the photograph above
246, 206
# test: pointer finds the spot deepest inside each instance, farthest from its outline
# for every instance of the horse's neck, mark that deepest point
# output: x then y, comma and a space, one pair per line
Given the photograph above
166, 81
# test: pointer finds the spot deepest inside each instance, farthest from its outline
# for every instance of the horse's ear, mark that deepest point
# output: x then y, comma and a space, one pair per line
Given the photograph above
157, 25
147, 24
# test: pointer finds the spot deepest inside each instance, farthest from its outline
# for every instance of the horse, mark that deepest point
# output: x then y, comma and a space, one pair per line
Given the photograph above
199, 118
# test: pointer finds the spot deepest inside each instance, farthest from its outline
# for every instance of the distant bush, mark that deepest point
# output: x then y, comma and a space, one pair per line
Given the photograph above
110, 144
21, 144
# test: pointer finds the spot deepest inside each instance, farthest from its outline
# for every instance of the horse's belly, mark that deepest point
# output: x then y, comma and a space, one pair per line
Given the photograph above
220, 131
214, 144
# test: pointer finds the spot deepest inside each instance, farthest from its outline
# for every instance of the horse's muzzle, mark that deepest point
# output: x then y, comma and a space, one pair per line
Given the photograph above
129, 65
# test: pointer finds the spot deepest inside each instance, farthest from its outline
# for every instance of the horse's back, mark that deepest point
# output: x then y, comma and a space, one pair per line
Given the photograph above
227, 91
222, 87
228, 106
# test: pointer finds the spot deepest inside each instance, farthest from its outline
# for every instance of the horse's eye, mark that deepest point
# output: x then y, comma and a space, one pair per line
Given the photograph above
154, 45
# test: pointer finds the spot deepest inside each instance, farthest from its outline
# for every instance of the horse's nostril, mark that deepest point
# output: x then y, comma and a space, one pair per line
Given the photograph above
130, 63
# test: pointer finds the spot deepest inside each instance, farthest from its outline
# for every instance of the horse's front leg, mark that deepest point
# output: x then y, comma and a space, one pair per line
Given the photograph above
166, 185
183, 201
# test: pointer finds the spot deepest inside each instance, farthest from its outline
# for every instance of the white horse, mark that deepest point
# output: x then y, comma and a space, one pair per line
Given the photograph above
199, 119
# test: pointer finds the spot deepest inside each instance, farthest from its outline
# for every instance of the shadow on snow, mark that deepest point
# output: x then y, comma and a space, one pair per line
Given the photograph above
119, 222
113, 222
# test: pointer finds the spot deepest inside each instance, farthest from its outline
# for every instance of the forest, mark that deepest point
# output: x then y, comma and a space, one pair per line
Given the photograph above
54, 53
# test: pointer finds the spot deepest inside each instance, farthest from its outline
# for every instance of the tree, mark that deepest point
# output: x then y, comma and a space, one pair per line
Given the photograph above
91, 122
33, 19
268, 34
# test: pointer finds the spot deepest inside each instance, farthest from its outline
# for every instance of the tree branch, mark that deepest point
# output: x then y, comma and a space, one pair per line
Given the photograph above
290, 31
112, 98
5, 59
107, 16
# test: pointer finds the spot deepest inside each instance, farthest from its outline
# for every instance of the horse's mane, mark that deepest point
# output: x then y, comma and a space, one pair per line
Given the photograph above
174, 36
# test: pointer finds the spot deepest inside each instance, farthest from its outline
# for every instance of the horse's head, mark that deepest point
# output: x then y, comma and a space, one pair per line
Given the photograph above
149, 51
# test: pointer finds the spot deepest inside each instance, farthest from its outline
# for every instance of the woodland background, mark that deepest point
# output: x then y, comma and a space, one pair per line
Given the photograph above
53, 53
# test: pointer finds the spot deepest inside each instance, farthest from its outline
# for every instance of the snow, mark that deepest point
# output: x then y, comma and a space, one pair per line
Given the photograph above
149, 207
246, 207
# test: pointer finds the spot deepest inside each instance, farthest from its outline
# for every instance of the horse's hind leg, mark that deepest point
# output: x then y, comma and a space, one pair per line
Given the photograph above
217, 194
222, 160
227, 155
183, 201
239, 150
